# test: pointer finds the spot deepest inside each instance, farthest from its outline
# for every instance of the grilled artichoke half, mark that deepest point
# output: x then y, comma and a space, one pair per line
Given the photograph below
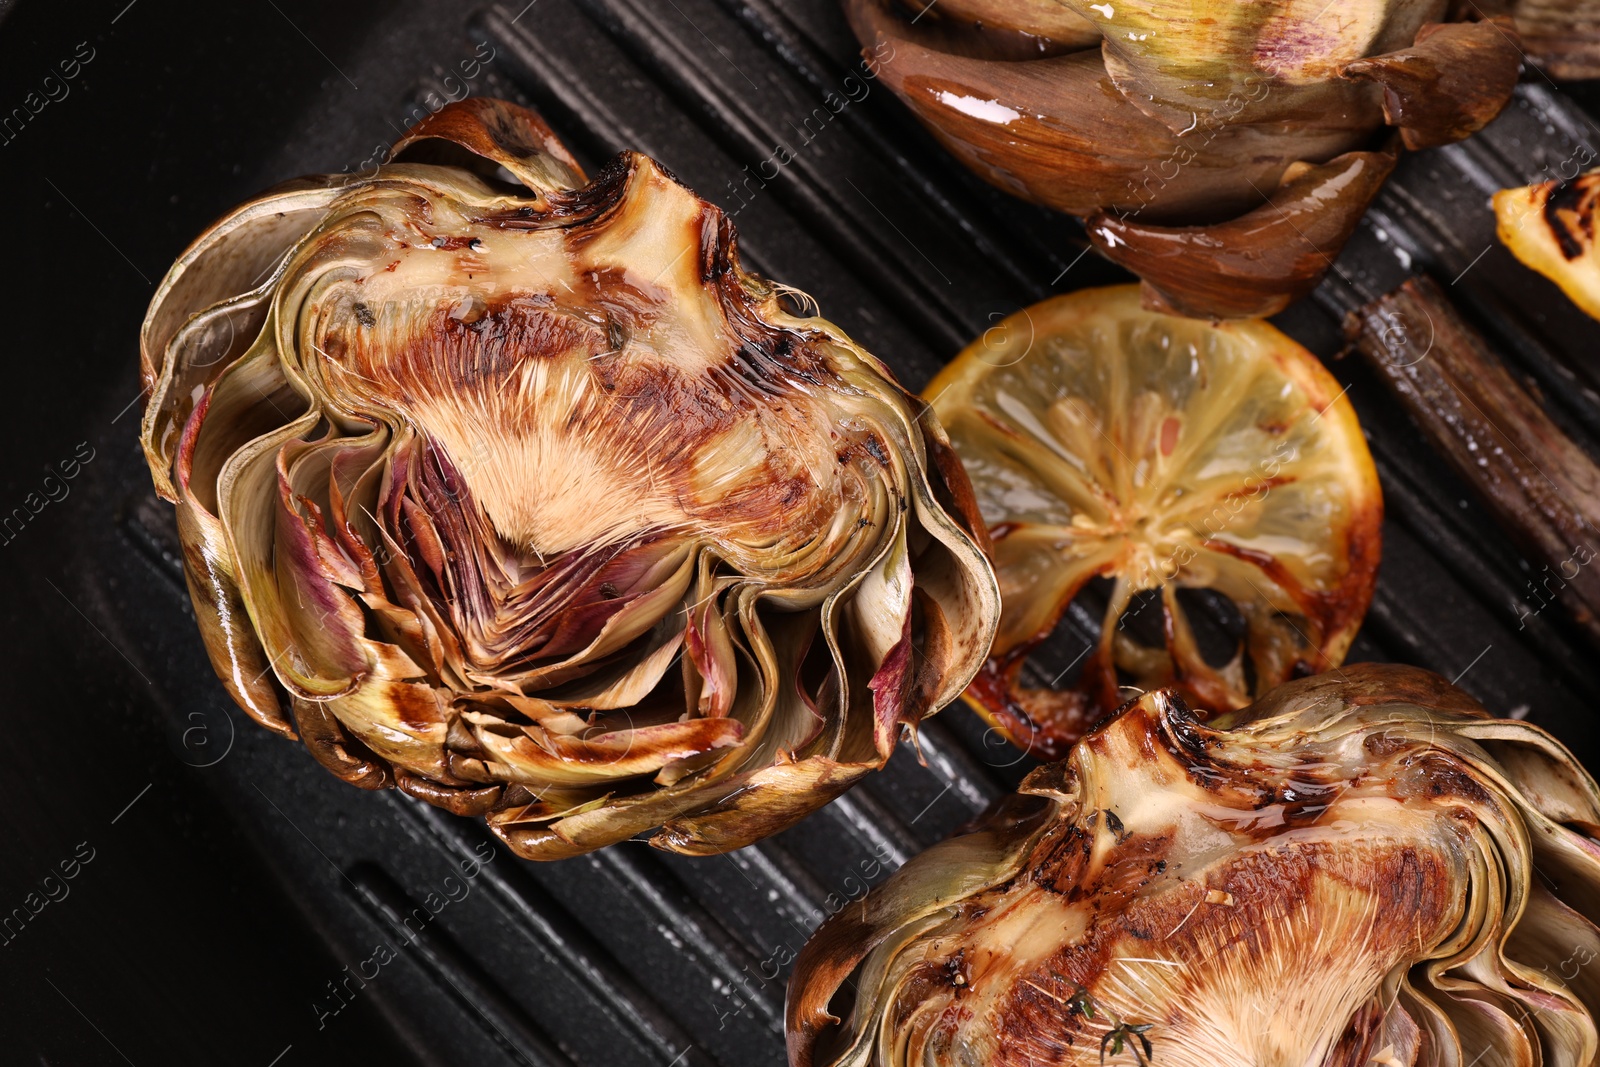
529, 501
1222, 151
1365, 869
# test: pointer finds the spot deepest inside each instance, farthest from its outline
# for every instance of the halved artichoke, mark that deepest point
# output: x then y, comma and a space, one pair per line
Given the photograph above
1362, 870
1561, 37
525, 498
1222, 151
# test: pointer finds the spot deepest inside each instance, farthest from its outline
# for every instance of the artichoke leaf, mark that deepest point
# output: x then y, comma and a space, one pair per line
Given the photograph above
231, 642
1448, 85
1262, 261
250, 507
538, 757
331, 746
1194, 65
200, 350
626, 684
1194, 115
1024, 28
208, 304
499, 133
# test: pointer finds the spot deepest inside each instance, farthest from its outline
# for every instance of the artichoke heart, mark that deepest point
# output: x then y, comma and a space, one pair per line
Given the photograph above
1363, 868
515, 491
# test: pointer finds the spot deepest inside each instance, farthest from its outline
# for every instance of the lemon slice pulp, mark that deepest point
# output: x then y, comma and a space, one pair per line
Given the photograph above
1164, 454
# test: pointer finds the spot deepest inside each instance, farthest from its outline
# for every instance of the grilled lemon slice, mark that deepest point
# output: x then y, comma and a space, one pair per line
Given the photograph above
1163, 454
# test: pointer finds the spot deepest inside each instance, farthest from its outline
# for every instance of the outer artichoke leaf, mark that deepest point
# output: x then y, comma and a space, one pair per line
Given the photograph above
537, 757
882, 601
627, 683
1448, 85
1037, 130
231, 258
1013, 28
401, 722
249, 400
249, 509
1559, 790
231, 642
780, 716
774, 796
1557, 944
205, 346
336, 750
1262, 261
1480, 1023
1197, 63
504, 134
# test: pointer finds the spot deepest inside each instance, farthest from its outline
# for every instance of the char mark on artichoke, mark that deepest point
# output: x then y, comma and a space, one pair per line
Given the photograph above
1361, 868
516, 492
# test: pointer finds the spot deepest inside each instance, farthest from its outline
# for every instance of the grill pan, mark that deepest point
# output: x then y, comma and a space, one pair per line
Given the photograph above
239, 904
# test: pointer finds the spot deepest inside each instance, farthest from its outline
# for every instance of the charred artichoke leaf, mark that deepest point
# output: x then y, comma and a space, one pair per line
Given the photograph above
1450, 84
529, 501
480, 134
1541, 486
1347, 874
1259, 263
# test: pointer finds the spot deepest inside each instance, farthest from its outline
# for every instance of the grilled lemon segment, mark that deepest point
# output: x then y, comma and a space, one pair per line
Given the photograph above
1164, 454
1550, 227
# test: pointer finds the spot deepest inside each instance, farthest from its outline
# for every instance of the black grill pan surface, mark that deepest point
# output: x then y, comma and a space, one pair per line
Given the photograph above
229, 901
